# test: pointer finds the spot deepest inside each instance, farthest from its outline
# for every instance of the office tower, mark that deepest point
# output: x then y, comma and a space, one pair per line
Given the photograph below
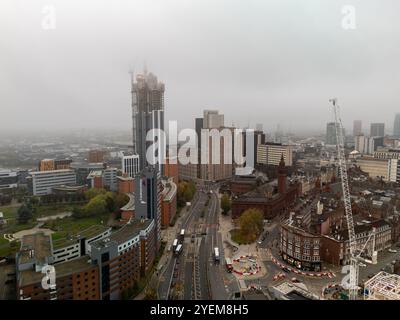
377, 130
42, 182
147, 112
130, 165
271, 154
331, 133
259, 138
357, 128
259, 127
212, 119
96, 156
396, 126
367, 145
148, 189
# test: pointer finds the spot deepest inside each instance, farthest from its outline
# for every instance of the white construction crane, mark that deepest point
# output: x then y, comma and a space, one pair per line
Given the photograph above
353, 284
355, 253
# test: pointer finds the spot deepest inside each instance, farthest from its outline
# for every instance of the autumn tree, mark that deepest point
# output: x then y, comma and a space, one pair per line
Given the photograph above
251, 224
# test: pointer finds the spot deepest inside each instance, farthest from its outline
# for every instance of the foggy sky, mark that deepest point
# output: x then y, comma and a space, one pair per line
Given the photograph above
270, 61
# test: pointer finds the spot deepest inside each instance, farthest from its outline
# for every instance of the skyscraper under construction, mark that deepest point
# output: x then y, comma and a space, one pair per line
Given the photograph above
147, 113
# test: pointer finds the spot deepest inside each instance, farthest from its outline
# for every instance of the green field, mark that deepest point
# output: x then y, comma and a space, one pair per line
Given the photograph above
9, 212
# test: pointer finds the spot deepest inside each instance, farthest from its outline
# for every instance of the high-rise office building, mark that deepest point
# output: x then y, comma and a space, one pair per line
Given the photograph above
377, 130
331, 133
130, 165
357, 128
212, 119
259, 127
396, 126
147, 112
148, 189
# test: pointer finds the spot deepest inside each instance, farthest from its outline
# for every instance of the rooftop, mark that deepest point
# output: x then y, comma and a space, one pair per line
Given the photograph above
88, 233
28, 277
35, 246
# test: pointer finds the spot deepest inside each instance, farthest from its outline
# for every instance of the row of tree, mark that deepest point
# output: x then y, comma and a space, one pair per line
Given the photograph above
100, 202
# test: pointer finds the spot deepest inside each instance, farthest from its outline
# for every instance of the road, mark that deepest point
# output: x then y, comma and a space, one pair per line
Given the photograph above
175, 270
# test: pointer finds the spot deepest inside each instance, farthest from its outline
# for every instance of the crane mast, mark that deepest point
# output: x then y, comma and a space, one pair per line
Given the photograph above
353, 283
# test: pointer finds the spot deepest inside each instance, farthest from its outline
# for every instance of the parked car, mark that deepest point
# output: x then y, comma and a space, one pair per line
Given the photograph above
362, 264
392, 250
371, 275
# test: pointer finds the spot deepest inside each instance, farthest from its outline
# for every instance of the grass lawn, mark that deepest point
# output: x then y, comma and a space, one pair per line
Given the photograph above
70, 225
9, 212
237, 237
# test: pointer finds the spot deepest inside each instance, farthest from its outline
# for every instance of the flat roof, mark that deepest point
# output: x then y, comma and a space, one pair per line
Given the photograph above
28, 277
39, 243
87, 233
129, 230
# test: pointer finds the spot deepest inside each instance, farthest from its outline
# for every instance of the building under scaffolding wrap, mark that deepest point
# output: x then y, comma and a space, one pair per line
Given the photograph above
383, 286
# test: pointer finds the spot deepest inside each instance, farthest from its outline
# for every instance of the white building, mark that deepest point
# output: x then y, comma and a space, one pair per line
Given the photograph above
42, 182
271, 153
8, 179
130, 165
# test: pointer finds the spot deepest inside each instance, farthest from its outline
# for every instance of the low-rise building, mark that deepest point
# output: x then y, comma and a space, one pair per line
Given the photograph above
42, 182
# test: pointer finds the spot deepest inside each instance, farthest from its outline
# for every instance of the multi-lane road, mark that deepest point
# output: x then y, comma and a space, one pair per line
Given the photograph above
194, 273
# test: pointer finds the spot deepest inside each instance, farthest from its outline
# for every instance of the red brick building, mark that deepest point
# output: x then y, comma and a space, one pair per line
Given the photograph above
264, 198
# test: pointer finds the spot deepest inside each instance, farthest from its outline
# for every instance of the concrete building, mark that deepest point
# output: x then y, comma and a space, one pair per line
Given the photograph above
130, 165
375, 168
396, 126
377, 130
8, 179
212, 119
82, 170
367, 145
41, 182
148, 197
96, 156
95, 179
271, 153
147, 111
357, 128
110, 179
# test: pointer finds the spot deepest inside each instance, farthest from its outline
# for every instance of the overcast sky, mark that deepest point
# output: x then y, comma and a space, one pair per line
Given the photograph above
267, 61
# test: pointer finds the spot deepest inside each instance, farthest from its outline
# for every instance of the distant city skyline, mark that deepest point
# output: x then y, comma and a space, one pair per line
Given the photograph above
270, 72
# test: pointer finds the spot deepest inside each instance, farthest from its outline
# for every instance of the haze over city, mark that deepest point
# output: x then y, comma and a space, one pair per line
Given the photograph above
271, 62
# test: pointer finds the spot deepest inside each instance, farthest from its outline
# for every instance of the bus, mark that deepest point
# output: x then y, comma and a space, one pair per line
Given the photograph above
182, 235
178, 250
228, 264
216, 255
174, 245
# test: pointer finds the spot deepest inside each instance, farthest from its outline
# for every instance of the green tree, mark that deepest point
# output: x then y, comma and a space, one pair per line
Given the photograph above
225, 203
93, 192
251, 224
96, 206
24, 214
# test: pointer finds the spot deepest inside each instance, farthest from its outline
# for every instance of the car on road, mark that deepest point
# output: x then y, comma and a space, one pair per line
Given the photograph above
259, 241
286, 270
295, 280
279, 276
192, 238
371, 275
362, 264
392, 250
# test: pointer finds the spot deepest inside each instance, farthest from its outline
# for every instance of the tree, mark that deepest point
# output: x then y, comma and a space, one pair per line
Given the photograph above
96, 206
24, 214
225, 203
251, 224
93, 192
